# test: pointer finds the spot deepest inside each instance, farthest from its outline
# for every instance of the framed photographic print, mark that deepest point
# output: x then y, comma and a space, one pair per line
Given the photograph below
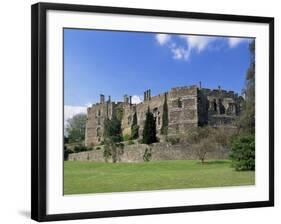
140, 111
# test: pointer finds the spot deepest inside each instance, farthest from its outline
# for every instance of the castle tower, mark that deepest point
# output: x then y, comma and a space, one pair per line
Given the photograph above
126, 99
101, 98
149, 94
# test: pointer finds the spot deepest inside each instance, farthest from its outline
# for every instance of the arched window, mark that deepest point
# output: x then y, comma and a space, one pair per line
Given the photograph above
221, 107
215, 105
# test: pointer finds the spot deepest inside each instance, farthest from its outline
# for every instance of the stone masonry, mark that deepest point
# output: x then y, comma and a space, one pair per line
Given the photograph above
188, 106
159, 151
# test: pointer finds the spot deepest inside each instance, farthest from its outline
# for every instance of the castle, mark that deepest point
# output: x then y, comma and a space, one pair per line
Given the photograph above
188, 106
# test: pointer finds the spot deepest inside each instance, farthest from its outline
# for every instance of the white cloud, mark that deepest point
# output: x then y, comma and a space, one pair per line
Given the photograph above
234, 41
89, 104
136, 99
198, 43
163, 38
70, 111
180, 52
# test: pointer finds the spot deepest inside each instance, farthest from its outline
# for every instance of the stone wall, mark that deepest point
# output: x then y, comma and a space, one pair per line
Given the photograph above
188, 107
160, 151
95, 121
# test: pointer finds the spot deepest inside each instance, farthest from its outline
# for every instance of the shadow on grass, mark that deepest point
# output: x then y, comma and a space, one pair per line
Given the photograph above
214, 162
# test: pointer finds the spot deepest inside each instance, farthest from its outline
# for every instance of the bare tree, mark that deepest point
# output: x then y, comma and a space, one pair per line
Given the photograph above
204, 147
205, 140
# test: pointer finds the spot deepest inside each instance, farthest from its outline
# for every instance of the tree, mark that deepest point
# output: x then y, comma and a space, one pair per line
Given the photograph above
165, 118
205, 140
66, 152
195, 135
112, 129
112, 136
243, 146
149, 130
203, 147
109, 149
243, 153
135, 127
76, 128
246, 121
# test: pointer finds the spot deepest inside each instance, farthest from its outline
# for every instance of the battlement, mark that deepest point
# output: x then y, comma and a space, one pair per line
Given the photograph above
219, 93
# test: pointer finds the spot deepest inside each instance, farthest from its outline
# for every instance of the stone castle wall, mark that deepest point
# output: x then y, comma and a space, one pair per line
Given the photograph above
188, 107
159, 151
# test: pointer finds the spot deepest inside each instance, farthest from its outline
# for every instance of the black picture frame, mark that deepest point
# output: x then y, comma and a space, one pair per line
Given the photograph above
39, 122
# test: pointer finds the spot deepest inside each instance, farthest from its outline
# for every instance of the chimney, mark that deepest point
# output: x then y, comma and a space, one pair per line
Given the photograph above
125, 98
149, 94
144, 96
130, 100
109, 99
101, 98
200, 85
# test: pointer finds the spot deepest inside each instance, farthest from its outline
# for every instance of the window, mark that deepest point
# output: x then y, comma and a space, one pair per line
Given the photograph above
221, 107
215, 105
179, 103
98, 132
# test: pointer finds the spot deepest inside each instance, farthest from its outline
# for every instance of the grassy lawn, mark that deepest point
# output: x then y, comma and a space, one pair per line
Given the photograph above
94, 177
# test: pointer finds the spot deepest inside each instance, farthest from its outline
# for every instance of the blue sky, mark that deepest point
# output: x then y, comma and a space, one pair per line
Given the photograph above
117, 63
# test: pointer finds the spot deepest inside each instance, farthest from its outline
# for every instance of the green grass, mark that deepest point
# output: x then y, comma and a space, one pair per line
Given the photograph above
96, 177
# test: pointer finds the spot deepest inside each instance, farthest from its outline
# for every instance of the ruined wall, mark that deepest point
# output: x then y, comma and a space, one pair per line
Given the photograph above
160, 151
155, 105
182, 107
182, 110
95, 121
223, 107
188, 107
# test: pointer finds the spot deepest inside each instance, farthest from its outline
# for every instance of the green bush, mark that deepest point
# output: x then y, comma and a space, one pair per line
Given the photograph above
149, 129
81, 148
126, 137
147, 155
66, 152
109, 146
135, 132
243, 153
131, 142
165, 118
98, 148
135, 127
